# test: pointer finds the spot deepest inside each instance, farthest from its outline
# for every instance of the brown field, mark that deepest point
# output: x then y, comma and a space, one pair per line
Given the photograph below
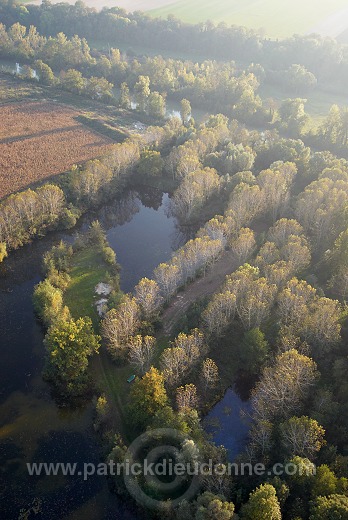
41, 139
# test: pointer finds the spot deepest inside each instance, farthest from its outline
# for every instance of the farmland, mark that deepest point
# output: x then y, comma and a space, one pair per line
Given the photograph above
275, 18
42, 139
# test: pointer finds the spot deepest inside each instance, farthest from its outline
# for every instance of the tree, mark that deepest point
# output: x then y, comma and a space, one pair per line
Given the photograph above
125, 99
119, 325
185, 111
141, 352
302, 436
293, 116
283, 386
142, 92
148, 396
333, 507
253, 351
3, 251
209, 374
156, 105
167, 277
213, 507
186, 397
174, 365
150, 163
69, 345
99, 88
263, 504
244, 245
48, 303
45, 72
147, 295
325, 482
73, 81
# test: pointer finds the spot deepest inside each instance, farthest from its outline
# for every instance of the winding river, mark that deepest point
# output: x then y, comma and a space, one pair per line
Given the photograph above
33, 428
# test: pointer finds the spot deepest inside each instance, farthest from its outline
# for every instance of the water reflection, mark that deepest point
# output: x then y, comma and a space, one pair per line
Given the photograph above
32, 427
228, 423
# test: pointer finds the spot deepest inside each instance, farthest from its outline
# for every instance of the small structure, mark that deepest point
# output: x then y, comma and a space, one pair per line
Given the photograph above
131, 379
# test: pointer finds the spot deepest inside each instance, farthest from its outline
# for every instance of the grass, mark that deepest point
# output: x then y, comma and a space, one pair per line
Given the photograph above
278, 18
87, 271
318, 103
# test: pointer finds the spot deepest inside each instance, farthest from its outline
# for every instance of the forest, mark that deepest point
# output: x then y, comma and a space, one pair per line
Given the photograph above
250, 298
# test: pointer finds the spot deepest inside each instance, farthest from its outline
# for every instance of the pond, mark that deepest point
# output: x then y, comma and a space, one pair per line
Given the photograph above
33, 428
227, 423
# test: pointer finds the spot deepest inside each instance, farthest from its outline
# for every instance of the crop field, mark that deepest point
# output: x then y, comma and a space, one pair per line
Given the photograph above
41, 139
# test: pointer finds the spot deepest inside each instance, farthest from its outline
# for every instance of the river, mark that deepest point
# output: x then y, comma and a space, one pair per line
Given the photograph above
33, 428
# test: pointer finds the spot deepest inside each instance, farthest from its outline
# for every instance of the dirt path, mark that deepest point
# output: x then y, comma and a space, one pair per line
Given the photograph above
201, 287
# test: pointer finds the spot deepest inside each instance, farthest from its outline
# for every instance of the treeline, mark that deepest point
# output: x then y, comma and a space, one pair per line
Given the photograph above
32, 213
216, 86
326, 58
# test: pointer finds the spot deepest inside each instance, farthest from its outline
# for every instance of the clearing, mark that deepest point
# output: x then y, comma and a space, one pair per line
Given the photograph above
42, 139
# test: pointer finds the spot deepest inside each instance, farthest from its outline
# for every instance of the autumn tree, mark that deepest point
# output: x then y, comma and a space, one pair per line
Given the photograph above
262, 504
141, 351
283, 386
3, 251
142, 92
213, 507
147, 296
185, 110
174, 365
186, 397
244, 245
148, 396
209, 375
302, 436
119, 325
69, 346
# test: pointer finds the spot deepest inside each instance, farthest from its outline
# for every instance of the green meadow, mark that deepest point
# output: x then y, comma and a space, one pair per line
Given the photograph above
277, 18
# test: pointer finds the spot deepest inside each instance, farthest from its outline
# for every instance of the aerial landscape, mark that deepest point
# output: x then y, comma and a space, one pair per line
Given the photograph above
174, 260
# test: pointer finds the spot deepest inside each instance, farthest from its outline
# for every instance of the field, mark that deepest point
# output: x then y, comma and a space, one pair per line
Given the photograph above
41, 139
275, 18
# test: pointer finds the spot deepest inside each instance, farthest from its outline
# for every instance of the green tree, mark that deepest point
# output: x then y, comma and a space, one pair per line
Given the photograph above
151, 163
213, 507
293, 116
263, 504
253, 351
69, 345
45, 72
333, 507
324, 482
156, 105
185, 110
73, 81
125, 99
147, 398
142, 92
99, 88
